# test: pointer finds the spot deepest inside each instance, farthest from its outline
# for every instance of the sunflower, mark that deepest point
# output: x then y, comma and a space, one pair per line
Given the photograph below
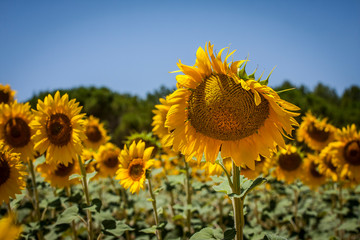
158, 123
346, 153
148, 138
289, 164
59, 176
311, 175
59, 129
133, 165
215, 169
326, 165
107, 160
6, 94
8, 230
15, 119
219, 107
262, 166
12, 174
316, 133
95, 133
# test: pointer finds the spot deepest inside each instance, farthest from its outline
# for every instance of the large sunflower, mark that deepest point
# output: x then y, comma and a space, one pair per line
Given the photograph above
95, 133
346, 153
12, 174
15, 130
311, 176
217, 106
59, 129
158, 123
316, 133
107, 160
8, 230
289, 164
6, 94
59, 177
133, 165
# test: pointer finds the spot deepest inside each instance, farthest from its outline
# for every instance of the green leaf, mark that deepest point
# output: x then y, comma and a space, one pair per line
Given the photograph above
229, 234
88, 161
149, 230
223, 187
271, 236
75, 175
90, 175
209, 234
350, 225
68, 215
117, 229
176, 179
251, 184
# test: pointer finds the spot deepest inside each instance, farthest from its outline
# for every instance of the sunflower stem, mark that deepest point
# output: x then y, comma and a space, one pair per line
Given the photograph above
188, 197
238, 203
153, 201
35, 196
87, 198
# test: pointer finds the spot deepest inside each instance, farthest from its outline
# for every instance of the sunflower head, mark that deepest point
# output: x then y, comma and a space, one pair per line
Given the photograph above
95, 133
8, 229
134, 161
289, 164
312, 175
59, 129
158, 123
316, 133
107, 160
12, 174
326, 164
219, 106
6, 94
147, 138
15, 128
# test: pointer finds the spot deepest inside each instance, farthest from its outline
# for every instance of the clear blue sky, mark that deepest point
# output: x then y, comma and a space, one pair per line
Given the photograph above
130, 46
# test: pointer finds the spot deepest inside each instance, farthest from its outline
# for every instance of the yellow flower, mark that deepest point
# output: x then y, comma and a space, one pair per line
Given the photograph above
107, 162
346, 153
148, 138
316, 133
59, 129
59, 177
12, 174
326, 165
218, 106
8, 230
262, 166
215, 169
6, 94
133, 165
311, 175
95, 133
15, 128
158, 123
289, 164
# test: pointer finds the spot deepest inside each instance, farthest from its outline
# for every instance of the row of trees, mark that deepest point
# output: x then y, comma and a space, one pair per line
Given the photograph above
124, 114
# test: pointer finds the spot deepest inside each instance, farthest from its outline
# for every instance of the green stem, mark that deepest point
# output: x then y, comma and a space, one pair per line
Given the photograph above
238, 204
36, 196
153, 201
188, 197
87, 198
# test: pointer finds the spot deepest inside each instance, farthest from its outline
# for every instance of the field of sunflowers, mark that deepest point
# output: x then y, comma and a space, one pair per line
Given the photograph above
226, 159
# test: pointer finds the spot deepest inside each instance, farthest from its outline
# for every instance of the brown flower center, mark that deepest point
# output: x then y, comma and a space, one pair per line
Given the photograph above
59, 129
329, 164
136, 169
352, 152
4, 96
319, 135
93, 133
220, 108
17, 132
290, 162
314, 171
112, 161
63, 171
4, 169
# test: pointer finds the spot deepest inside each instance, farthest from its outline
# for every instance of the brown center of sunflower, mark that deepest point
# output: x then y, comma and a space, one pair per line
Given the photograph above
220, 108
136, 169
4, 96
328, 163
17, 132
313, 170
112, 161
4, 169
59, 129
317, 134
352, 152
63, 171
290, 162
93, 133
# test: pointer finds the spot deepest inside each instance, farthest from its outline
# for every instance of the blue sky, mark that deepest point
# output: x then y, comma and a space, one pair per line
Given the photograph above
131, 46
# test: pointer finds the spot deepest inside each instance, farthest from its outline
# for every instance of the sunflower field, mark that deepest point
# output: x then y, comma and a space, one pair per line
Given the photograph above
221, 156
